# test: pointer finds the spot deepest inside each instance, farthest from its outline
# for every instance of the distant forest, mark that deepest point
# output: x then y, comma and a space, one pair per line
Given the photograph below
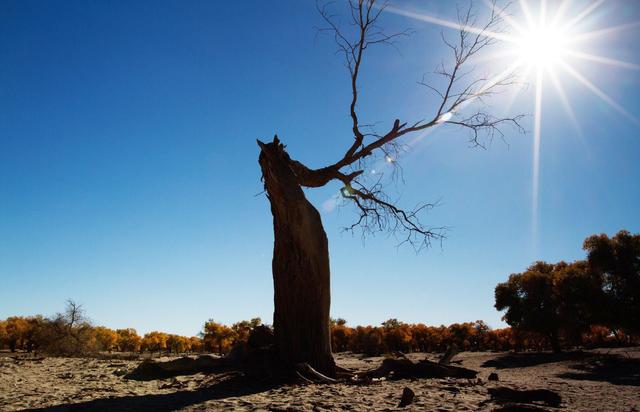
593, 302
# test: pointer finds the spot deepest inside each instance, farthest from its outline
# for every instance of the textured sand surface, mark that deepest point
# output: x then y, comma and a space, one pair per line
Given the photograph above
586, 382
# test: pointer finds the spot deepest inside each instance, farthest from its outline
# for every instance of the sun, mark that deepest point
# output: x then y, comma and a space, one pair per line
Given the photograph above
541, 47
541, 42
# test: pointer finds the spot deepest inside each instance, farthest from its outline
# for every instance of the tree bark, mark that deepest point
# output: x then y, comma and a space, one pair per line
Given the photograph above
300, 267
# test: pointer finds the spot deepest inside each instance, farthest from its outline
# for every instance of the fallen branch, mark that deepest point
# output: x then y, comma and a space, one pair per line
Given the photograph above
150, 370
405, 369
503, 394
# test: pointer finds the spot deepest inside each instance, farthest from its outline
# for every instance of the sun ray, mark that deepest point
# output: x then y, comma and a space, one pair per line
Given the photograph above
559, 13
508, 103
488, 84
602, 32
602, 60
476, 59
565, 101
449, 24
584, 14
506, 17
524, 6
598, 92
536, 157
493, 81
543, 39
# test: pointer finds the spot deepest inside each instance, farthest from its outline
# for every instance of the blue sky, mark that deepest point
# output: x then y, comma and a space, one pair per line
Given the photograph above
129, 178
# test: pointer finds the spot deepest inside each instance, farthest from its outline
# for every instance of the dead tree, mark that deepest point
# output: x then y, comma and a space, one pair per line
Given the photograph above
300, 257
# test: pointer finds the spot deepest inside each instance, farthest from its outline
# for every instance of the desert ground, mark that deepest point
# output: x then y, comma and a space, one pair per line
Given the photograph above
597, 380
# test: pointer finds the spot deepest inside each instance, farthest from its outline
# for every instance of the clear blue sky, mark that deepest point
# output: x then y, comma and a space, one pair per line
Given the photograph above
129, 174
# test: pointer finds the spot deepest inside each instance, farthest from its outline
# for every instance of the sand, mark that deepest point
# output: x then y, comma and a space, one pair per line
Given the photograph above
586, 381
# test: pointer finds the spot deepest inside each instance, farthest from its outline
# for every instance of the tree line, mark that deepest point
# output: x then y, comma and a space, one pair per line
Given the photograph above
590, 303
71, 334
561, 302
56, 336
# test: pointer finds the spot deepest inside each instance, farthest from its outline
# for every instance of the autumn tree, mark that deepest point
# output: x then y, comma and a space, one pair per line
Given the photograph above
421, 337
15, 329
195, 344
177, 344
499, 340
617, 260
368, 340
397, 335
67, 333
154, 342
3, 333
580, 299
242, 329
531, 303
33, 333
341, 335
300, 258
558, 301
128, 340
217, 337
107, 339
481, 331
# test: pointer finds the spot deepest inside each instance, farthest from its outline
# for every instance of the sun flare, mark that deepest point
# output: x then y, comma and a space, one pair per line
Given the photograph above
540, 44
541, 47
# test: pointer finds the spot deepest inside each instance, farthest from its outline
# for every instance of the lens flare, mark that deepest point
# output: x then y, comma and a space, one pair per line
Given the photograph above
543, 45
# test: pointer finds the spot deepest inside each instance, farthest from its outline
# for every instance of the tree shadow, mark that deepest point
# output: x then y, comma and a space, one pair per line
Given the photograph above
238, 385
526, 359
615, 369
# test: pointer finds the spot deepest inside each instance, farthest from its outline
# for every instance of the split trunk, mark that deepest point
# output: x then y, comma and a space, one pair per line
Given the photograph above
300, 267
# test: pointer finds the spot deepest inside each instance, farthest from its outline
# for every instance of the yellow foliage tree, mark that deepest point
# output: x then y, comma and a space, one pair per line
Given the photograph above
177, 344
3, 333
154, 342
195, 344
107, 339
16, 330
243, 329
128, 340
217, 337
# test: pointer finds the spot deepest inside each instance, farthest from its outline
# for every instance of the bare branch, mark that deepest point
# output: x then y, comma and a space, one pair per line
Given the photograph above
364, 17
377, 212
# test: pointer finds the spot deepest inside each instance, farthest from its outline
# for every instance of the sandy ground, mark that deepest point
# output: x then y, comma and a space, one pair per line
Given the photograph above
589, 381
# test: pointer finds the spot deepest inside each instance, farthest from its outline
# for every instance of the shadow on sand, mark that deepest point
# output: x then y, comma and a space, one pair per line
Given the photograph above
239, 385
525, 359
615, 369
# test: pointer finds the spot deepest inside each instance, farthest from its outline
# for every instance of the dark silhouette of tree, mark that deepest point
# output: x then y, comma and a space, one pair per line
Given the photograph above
580, 299
617, 260
301, 258
531, 302
559, 301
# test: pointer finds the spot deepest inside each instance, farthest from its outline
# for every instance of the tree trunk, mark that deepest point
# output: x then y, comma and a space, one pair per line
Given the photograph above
300, 267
